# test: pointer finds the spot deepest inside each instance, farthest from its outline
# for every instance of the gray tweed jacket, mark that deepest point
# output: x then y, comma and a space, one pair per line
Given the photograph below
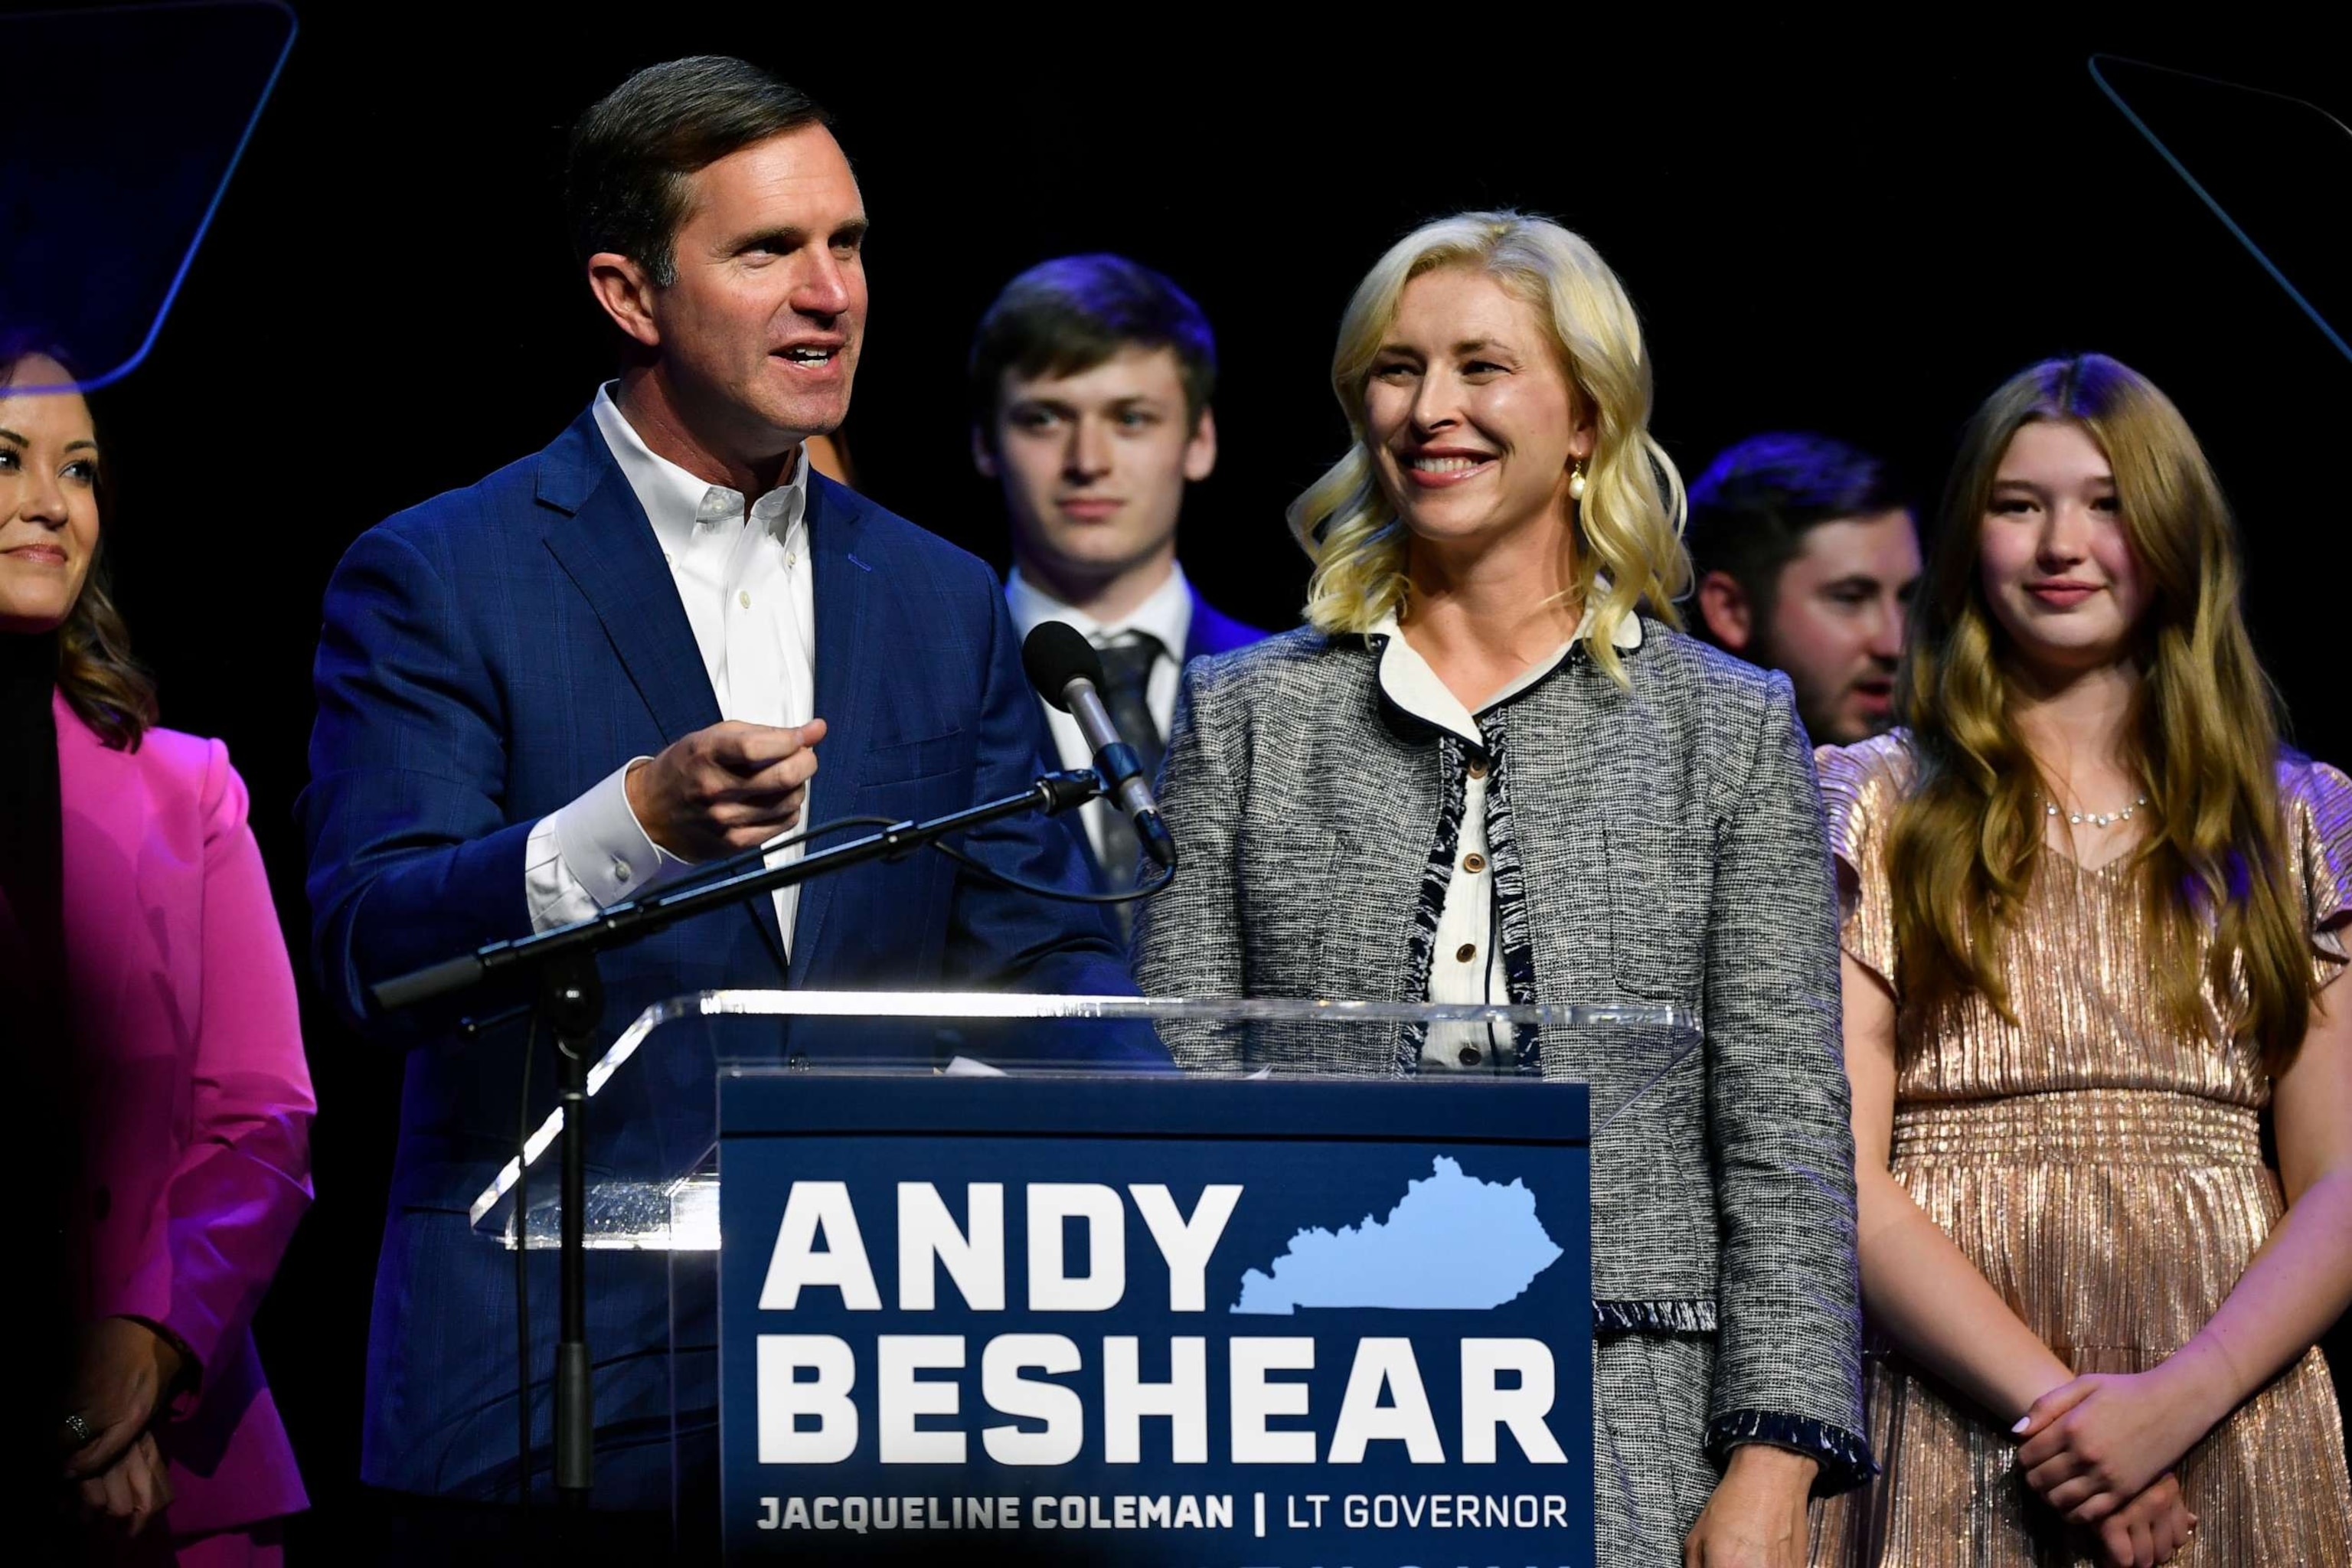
1662, 844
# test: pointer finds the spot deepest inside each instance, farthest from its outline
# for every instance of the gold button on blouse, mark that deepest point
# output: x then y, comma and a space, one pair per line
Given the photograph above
1467, 1056
1473, 862
1477, 770
1466, 952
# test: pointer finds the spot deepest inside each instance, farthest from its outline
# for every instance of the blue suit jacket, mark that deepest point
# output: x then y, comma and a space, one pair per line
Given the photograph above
487, 658
1214, 632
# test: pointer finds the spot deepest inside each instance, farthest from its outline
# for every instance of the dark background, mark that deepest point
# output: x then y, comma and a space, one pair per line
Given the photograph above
1821, 231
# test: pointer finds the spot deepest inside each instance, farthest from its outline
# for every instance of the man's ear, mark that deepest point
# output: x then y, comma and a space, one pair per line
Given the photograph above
624, 291
1200, 451
1724, 605
983, 455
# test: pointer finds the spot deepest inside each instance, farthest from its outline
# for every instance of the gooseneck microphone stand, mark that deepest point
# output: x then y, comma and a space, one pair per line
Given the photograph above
570, 1000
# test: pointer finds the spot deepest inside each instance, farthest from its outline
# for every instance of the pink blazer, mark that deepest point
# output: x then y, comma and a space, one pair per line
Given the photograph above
196, 1147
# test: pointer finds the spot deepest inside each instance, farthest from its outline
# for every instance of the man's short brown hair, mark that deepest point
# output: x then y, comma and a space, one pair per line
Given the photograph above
625, 183
1073, 313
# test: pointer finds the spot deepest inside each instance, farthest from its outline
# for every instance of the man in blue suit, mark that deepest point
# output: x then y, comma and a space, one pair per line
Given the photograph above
1091, 378
624, 655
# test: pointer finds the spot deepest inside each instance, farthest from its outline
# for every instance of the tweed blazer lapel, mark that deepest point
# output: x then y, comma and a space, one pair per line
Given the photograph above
1575, 760
1580, 744
1393, 778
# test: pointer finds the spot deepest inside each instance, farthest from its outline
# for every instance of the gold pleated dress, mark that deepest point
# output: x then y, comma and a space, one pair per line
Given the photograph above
2104, 1171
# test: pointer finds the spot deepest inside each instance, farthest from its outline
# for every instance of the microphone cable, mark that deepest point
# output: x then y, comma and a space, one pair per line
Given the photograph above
1060, 895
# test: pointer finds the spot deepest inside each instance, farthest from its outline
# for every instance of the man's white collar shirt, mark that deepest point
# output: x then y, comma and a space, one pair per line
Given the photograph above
743, 578
1167, 615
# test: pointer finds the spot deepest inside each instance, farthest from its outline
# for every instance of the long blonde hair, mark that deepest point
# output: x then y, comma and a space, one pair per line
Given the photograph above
1629, 522
2202, 736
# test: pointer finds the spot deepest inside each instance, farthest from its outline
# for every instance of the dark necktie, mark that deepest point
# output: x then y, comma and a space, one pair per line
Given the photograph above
1127, 692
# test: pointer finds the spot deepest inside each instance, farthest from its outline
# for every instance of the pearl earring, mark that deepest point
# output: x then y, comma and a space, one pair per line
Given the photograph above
1576, 481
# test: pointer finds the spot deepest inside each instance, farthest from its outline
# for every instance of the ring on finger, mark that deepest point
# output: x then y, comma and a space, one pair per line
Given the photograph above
79, 1429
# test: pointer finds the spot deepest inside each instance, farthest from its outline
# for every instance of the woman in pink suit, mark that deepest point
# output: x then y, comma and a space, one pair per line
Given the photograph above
137, 930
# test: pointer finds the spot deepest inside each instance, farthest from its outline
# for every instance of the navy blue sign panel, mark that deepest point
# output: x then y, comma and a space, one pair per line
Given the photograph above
1156, 1322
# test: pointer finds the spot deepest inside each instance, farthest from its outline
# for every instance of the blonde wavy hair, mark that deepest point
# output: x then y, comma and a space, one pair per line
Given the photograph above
2203, 733
1629, 523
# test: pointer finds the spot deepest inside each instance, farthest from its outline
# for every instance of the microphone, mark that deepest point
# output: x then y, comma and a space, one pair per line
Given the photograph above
1068, 673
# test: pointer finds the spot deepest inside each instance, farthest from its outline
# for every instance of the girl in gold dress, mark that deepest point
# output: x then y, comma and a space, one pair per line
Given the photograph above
2094, 915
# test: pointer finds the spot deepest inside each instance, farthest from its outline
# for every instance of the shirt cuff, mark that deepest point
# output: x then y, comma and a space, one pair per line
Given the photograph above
592, 854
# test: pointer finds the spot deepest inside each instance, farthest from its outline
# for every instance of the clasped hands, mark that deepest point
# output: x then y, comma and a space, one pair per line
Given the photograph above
2098, 1450
124, 1374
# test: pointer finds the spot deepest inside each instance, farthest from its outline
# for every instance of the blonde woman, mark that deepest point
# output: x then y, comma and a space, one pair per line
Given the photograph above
1491, 767
2095, 914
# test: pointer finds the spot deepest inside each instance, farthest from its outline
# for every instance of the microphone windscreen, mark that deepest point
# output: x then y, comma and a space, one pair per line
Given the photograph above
1055, 655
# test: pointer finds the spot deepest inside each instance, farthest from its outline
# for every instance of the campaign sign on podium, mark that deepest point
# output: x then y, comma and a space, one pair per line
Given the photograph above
1155, 1320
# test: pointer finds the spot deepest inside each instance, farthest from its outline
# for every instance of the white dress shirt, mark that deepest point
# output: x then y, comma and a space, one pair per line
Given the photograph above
1466, 961
748, 593
1167, 615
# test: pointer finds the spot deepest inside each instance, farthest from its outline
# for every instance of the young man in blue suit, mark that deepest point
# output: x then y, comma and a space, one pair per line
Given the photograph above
659, 640
1091, 378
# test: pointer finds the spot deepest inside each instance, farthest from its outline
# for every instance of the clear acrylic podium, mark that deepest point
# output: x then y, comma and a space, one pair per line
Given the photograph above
1441, 1088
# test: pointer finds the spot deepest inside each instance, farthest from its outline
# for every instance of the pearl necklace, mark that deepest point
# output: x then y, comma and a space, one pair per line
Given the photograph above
2097, 818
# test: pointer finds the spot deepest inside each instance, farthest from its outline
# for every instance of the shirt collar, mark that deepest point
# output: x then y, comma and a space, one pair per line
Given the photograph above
676, 502
1407, 680
1167, 615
